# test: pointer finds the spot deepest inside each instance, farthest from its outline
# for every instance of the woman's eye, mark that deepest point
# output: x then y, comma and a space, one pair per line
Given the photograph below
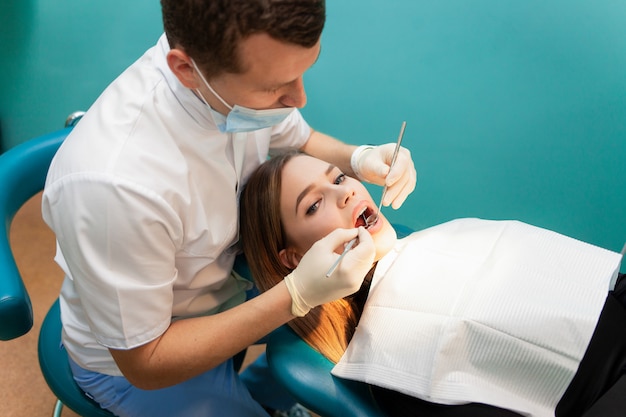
340, 178
313, 208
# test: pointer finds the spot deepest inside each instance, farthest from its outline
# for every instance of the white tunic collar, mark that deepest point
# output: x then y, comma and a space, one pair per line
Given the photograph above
192, 104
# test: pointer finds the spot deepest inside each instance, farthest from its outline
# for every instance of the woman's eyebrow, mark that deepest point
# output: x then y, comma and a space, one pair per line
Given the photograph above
308, 188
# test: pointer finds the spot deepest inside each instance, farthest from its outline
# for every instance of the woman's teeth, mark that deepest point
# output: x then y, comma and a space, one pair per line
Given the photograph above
362, 219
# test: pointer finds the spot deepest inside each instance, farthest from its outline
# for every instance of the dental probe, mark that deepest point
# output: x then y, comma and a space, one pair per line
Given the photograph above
346, 249
371, 219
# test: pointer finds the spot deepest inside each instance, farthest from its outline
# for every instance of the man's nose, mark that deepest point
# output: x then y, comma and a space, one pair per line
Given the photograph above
295, 96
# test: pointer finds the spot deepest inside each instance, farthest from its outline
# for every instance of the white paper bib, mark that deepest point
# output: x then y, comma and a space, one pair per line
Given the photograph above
497, 312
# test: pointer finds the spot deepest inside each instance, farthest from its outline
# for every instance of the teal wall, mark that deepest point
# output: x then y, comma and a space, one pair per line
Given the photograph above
515, 109
57, 56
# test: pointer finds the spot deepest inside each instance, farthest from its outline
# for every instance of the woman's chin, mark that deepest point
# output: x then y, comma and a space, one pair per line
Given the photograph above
385, 239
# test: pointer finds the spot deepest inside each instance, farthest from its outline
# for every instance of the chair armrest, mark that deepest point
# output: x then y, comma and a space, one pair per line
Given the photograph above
23, 171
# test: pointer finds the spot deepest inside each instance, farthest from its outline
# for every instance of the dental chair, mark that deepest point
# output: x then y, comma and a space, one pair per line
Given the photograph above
305, 373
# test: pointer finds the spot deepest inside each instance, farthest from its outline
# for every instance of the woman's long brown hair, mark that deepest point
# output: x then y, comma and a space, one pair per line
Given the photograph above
327, 328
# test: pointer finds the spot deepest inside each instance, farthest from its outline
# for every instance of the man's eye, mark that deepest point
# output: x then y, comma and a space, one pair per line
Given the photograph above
313, 208
340, 178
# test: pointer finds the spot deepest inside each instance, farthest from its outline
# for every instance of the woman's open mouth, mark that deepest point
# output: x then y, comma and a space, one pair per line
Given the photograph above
361, 219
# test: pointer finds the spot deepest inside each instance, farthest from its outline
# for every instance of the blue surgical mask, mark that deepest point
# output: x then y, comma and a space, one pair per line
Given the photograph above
242, 119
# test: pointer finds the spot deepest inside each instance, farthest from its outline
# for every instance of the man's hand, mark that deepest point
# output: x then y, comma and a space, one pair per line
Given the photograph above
308, 284
372, 164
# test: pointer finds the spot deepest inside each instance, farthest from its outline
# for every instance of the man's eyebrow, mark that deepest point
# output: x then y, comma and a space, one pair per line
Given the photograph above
309, 187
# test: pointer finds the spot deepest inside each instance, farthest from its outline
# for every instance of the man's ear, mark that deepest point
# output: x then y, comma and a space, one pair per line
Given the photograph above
180, 64
290, 258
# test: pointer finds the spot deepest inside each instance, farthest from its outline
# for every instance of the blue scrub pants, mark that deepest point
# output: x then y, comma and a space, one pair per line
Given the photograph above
218, 392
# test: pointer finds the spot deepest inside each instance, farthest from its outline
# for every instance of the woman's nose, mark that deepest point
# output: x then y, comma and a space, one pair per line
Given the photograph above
345, 193
295, 96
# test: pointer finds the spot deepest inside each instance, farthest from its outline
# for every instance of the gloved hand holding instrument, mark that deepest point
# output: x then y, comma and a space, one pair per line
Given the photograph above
389, 165
306, 283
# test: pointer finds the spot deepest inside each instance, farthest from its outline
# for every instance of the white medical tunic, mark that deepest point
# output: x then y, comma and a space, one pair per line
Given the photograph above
143, 199
494, 312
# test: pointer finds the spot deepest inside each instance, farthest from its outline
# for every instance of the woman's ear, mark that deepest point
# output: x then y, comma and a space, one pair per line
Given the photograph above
290, 258
180, 64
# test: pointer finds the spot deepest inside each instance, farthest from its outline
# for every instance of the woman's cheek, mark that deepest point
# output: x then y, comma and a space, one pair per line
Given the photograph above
322, 228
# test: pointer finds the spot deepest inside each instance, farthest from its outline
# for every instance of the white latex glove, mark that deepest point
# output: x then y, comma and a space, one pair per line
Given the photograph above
371, 164
308, 284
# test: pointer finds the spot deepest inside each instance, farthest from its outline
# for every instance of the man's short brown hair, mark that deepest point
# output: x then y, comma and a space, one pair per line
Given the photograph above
210, 31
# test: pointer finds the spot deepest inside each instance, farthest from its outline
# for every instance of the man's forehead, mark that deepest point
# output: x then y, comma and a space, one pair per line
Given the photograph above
272, 61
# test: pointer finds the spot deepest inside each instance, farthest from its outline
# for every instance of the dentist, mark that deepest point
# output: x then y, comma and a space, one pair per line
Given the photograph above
143, 200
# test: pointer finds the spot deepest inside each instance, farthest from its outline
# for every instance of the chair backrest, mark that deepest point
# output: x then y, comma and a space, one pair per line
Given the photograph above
23, 171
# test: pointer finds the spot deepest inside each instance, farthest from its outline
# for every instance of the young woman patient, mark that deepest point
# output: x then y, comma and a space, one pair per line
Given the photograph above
468, 318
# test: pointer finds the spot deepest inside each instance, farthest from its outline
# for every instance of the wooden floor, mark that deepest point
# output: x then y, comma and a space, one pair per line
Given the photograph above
23, 391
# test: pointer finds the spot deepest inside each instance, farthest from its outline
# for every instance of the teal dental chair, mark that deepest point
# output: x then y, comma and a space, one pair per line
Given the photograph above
23, 172
305, 373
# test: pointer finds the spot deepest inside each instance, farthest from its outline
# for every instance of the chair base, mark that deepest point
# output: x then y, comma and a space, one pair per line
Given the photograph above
58, 409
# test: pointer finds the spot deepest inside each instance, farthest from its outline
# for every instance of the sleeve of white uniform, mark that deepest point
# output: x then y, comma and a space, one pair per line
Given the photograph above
118, 241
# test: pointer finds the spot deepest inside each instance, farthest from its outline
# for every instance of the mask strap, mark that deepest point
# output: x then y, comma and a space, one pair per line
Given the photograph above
199, 94
239, 154
206, 83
